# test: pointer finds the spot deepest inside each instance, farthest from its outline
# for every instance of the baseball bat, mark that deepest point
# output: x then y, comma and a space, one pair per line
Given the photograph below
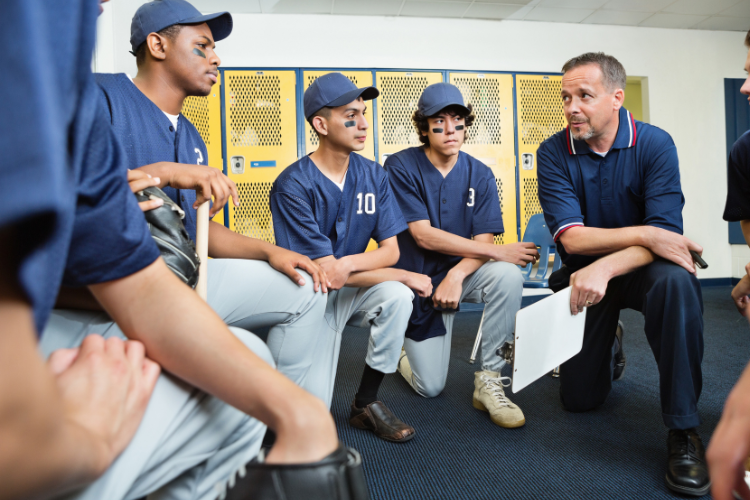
201, 246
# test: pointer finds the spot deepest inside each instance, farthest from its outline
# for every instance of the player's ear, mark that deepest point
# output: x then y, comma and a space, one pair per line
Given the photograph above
320, 125
155, 45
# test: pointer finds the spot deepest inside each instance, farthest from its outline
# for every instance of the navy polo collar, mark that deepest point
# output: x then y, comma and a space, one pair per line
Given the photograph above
626, 135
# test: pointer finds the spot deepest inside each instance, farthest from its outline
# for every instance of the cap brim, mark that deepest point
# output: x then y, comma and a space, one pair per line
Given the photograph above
366, 93
220, 23
437, 108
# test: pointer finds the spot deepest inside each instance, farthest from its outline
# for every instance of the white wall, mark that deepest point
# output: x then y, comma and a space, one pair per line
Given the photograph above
685, 71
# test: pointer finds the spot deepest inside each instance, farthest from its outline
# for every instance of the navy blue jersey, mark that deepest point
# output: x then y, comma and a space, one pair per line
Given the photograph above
637, 183
312, 216
149, 137
62, 181
464, 203
738, 181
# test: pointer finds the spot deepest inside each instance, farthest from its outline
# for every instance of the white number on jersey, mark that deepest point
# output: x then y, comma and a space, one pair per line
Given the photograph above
369, 203
471, 198
200, 156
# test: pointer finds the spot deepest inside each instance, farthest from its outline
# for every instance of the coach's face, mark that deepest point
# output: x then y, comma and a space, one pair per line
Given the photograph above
746, 86
347, 126
590, 108
446, 132
192, 59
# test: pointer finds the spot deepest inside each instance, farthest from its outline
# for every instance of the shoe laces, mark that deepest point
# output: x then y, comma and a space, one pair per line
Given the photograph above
494, 387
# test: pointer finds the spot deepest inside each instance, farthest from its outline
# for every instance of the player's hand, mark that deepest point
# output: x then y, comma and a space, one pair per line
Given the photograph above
310, 437
106, 386
673, 247
740, 295
448, 293
420, 283
287, 262
589, 287
515, 253
207, 182
337, 271
730, 445
140, 180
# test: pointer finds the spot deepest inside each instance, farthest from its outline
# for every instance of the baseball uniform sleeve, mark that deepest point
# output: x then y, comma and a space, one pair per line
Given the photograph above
405, 191
488, 217
738, 181
295, 227
390, 221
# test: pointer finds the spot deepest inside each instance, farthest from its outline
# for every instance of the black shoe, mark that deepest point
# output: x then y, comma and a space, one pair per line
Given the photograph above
619, 354
686, 468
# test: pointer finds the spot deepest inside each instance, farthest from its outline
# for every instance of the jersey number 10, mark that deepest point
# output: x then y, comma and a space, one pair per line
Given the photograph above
369, 203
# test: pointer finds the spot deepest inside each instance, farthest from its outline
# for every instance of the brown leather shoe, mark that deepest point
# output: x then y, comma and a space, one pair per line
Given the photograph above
377, 418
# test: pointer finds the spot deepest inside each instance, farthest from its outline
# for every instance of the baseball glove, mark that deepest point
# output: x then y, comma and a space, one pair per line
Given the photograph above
339, 476
176, 247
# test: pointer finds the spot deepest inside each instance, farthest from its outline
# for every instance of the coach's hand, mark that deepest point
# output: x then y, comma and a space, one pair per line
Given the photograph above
287, 262
337, 271
207, 182
515, 253
589, 287
140, 180
106, 386
740, 295
448, 293
420, 283
673, 247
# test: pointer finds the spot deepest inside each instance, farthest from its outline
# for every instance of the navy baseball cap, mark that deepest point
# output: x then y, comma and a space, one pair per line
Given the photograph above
439, 96
333, 90
154, 16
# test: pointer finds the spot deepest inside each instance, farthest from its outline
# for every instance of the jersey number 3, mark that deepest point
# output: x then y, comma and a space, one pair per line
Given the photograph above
471, 198
369, 203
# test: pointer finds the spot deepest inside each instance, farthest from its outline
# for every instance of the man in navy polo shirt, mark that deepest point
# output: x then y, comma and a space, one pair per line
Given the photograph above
251, 283
97, 421
452, 207
328, 205
609, 187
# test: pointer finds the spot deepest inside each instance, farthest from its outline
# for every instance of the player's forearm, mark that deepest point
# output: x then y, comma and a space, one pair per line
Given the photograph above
377, 276
189, 340
226, 244
625, 261
437, 240
380, 258
466, 267
579, 240
161, 169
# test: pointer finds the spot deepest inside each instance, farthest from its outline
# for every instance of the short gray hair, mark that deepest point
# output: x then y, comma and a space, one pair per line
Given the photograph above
613, 73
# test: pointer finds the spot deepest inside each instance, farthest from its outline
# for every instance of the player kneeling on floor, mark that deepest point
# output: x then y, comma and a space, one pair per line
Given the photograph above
327, 206
452, 208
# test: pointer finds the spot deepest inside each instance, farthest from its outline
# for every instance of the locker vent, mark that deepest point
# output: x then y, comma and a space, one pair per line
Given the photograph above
541, 109
310, 132
253, 217
499, 238
484, 96
254, 110
531, 204
396, 105
195, 109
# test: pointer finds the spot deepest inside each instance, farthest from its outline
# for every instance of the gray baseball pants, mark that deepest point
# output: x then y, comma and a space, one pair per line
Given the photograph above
499, 286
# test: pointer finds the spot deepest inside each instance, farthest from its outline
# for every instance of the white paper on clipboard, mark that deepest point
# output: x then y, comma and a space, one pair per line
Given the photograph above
547, 335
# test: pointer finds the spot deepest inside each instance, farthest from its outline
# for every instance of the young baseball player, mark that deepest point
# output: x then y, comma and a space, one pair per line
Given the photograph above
451, 205
248, 284
328, 206
97, 421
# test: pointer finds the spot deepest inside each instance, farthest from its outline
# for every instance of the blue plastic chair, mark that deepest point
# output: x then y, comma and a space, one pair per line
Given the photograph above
538, 233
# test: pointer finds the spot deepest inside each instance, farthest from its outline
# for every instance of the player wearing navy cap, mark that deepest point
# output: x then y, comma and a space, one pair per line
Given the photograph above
452, 208
327, 206
610, 190
174, 47
97, 421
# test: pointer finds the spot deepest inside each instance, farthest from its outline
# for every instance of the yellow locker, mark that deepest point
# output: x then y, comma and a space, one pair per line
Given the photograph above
491, 137
261, 141
205, 114
360, 79
540, 115
399, 94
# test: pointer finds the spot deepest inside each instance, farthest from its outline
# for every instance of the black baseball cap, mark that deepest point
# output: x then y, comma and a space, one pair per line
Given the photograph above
154, 16
332, 90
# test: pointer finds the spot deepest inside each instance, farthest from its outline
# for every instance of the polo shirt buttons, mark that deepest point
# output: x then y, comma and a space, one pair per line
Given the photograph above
341, 219
604, 181
171, 128
444, 200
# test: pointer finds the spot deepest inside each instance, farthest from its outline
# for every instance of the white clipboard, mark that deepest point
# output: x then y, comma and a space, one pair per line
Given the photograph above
547, 335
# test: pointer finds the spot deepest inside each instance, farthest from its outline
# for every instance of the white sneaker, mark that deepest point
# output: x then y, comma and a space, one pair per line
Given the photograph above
489, 396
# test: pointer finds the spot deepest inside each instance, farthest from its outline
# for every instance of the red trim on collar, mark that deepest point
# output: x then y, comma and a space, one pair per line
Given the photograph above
632, 120
567, 139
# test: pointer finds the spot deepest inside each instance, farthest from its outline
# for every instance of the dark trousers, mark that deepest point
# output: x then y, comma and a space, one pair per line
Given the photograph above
671, 301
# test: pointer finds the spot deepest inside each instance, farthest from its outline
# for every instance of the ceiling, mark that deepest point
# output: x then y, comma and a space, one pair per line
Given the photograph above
721, 15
